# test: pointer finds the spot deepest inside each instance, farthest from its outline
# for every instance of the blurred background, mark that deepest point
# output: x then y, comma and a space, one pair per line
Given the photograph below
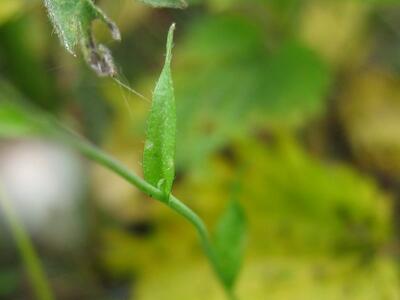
296, 102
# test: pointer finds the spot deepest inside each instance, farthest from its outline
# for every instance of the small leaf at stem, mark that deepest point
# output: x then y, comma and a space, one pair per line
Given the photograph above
159, 150
229, 242
166, 3
72, 20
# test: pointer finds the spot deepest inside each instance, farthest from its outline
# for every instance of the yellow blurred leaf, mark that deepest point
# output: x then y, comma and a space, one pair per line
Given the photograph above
334, 28
370, 110
9, 8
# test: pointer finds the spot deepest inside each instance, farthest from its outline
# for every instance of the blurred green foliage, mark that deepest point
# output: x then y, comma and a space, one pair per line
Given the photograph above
239, 78
297, 101
229, 242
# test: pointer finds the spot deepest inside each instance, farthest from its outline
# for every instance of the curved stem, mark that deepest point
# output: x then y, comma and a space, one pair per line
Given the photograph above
202, 231
198, 223
110, 163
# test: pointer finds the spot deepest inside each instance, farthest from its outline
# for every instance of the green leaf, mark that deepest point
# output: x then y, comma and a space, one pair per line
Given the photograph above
239, 78
229, 242
13, 123
72, 21
16, 122
166, 3
159, 151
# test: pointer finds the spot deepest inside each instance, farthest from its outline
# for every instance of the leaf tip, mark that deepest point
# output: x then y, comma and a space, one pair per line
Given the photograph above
170, 41
171, 35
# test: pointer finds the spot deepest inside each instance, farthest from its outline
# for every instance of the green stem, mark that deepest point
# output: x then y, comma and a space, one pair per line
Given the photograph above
95, 154
27, 252
202, 231
110, 163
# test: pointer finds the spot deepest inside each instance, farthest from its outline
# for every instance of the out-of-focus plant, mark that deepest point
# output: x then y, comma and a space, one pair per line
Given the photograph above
25, 247
72, 22
283, 86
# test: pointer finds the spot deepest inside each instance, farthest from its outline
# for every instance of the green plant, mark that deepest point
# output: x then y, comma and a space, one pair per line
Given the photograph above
25, 247
72, 20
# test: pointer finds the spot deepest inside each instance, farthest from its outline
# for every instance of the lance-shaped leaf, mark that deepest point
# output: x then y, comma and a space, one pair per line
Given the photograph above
229, 242
166, 3
159, 150
72, 20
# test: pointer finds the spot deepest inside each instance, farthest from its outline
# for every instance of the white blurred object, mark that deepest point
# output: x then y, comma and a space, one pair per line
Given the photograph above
45, 183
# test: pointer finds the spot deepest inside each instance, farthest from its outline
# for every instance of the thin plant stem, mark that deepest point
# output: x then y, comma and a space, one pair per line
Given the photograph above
100, 157
31, 260
202, 231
